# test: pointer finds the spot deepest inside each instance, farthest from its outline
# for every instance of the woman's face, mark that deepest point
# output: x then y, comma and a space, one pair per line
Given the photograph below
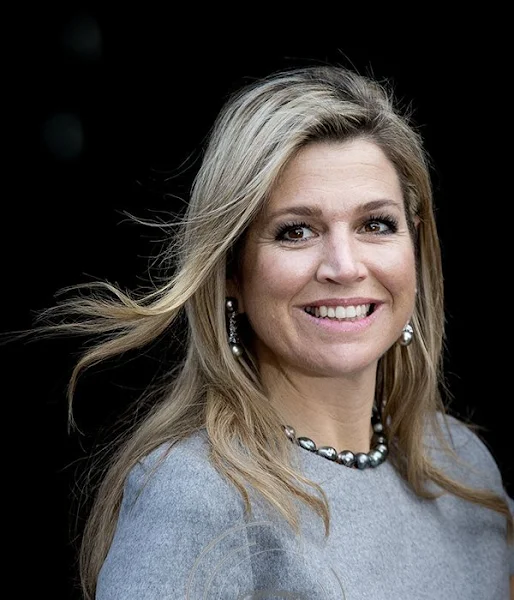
328, 270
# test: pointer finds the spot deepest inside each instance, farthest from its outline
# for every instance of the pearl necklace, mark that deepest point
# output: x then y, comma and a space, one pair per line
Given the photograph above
361, 460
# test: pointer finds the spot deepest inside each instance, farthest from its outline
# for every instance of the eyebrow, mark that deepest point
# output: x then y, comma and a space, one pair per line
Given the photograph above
315, 211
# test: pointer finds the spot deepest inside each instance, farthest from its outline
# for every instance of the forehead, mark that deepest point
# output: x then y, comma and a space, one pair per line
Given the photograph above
347, 172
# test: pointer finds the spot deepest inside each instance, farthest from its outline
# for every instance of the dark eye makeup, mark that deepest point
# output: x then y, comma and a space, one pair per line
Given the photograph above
379, 224
290, 227
389, 221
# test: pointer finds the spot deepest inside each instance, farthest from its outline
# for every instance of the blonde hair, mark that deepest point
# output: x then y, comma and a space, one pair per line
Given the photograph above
257, 132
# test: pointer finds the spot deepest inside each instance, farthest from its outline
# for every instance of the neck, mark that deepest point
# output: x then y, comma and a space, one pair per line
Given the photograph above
331, 411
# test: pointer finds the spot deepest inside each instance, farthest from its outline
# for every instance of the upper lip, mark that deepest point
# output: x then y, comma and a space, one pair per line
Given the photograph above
342, 302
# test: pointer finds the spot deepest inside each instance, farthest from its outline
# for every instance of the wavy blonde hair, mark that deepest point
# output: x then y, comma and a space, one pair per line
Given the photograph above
258, 131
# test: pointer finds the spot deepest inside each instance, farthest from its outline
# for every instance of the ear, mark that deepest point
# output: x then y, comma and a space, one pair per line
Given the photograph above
233, 290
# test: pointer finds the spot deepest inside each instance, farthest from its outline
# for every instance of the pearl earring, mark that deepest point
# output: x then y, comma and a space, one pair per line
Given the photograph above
233, 336
407, 335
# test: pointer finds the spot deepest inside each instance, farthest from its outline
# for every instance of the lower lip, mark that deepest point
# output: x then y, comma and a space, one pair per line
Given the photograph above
344, 326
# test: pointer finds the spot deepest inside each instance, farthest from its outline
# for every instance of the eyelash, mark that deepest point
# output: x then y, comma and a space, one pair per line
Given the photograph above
285, 227
388, 220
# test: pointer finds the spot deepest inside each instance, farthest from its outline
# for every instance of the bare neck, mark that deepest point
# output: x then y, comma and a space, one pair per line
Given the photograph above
331, 411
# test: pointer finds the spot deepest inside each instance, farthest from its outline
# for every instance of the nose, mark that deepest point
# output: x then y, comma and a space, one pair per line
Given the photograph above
341, 260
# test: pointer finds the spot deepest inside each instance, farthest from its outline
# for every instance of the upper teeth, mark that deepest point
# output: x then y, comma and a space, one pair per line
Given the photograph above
339, 312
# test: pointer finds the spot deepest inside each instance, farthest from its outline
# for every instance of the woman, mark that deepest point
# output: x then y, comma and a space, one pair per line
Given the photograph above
303, 449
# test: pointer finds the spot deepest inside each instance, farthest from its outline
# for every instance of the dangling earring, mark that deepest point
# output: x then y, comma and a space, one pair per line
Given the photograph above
407, 335
233, 336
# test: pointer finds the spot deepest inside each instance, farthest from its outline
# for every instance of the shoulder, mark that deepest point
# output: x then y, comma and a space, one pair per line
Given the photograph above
474, 465
470, 456
176, 507
178, 475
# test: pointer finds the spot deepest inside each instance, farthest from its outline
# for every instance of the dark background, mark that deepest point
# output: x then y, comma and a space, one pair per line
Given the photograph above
107, 111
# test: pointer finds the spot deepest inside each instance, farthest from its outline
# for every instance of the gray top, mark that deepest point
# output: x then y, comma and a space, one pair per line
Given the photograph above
184, 536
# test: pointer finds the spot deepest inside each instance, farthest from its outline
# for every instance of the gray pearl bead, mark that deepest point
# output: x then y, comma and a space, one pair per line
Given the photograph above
378, 427
380, 439
327, 452
307, 443
362, 460
375, 458
382, 448
346, 457
290, 432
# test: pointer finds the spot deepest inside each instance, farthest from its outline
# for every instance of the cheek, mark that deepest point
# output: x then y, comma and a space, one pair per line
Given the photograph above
274, 275
398, 271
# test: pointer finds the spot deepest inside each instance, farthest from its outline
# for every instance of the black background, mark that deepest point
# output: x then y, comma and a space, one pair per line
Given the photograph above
143, 87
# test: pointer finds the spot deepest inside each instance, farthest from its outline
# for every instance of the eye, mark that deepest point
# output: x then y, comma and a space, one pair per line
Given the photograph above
294, 232
382, 224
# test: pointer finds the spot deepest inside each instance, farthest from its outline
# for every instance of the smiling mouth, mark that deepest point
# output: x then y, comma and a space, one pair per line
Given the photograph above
341, 313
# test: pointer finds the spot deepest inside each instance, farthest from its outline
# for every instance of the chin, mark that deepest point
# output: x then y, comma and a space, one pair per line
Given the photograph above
336, 368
